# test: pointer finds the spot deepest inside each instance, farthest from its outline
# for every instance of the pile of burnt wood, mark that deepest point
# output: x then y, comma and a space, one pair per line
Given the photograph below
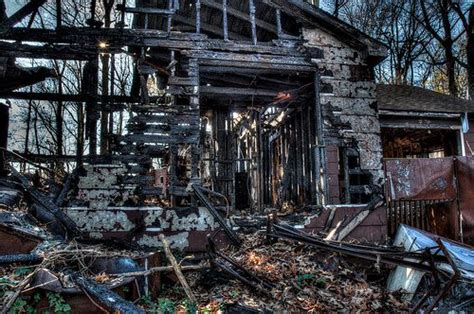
46, 262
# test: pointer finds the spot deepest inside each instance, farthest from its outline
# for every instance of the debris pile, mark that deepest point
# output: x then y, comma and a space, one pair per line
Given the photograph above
273, 269
302, 278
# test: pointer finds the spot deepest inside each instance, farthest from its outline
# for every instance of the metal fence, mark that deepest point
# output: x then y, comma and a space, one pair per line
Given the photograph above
412, 213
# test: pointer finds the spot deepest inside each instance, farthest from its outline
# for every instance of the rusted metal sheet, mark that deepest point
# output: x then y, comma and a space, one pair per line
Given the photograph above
465, 179
443, 219
16, 241
420, 179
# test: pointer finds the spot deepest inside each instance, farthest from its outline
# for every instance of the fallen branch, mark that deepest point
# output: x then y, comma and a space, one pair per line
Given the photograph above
159, 269
177, 269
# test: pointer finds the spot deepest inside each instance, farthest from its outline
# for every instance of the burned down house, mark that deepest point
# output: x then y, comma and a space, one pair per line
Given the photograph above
268, 104
241, 116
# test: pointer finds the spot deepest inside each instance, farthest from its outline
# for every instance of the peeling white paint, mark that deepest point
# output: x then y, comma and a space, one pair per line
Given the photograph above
97, 221
177, 241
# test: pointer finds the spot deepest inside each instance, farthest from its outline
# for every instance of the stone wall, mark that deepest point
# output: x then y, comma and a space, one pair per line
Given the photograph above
348, 100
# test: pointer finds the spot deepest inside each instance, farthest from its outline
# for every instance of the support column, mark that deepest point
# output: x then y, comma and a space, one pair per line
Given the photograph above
193, 72
319, 151
89, 88
4, 120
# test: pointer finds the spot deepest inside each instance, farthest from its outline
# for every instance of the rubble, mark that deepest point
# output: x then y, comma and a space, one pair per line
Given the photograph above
301, 272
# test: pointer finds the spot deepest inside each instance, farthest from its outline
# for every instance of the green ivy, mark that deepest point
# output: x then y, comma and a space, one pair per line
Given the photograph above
58, 304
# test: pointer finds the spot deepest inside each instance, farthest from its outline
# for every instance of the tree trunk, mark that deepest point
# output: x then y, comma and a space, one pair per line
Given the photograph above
450, 69
59, 125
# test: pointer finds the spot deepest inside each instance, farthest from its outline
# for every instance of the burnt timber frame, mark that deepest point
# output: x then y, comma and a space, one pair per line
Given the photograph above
203, 59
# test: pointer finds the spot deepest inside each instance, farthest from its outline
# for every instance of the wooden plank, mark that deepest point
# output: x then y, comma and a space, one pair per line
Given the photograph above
72, 97
183, 81
145, 10
157, 138
163, 128
167, 119
214, 90
57, 52
149, 150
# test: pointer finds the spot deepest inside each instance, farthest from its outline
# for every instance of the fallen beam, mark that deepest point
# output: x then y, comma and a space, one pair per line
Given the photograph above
206, 202
105, 297
20, 258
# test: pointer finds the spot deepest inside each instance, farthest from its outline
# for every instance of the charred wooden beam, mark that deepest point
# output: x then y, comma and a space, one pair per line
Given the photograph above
206, 202
253, 61
89, 38
144, 10
58, 52
58, 14
20, 258
105, 297
27, 9
71, 97
198, 16
278, 22
235, 91
43, 201
225, 24
252, 11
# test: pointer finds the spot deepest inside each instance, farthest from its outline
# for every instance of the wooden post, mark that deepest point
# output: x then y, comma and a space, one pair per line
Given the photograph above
224, 20
4, 120
170, 6
253, 21
347, 186
193, 72
89, 88
111, 93
198, 16
28, 125
58, 14
93, 6
318, 139
278, 22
